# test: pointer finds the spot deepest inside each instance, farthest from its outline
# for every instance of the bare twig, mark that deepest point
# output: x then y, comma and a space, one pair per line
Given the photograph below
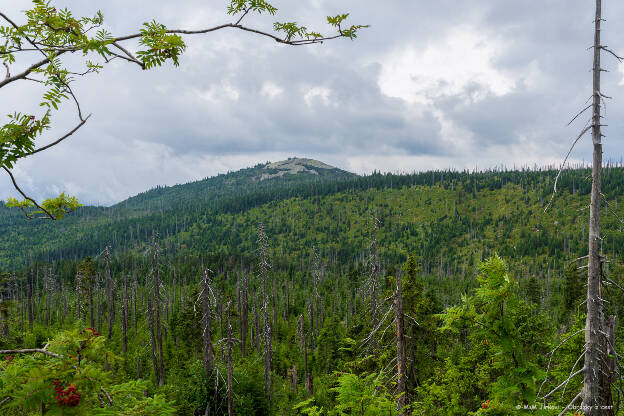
579, 113
570, 404
130, 56
585, 130
564, 382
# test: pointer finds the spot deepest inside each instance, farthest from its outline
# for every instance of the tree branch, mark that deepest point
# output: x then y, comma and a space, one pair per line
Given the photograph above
49, 216
31, 351
60, 139
30, 69
585, 130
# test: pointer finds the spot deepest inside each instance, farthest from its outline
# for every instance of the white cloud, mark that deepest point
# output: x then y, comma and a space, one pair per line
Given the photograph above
271, 90
316, 94
447, 67
217, 93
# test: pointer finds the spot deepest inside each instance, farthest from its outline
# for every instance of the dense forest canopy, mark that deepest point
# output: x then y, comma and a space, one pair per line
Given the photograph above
453, 237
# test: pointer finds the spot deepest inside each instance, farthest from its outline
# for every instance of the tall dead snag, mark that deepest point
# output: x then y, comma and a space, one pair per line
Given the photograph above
230, 375
153, 312
596, 361
374, 271
316, 277
29, 294
208, 350
264, 268
303, 347
159, 335
124, 316
152, 333
110, 293
399, 326
244, 314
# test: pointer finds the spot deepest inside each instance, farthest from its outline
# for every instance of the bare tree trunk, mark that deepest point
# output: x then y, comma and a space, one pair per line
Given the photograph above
400, 345
124, 317
135, 288
230, 375
262, 241
244, 327
29, 295
592, 393
316, 275
159, 335
208, 351
374, 260
110, 293
152, 332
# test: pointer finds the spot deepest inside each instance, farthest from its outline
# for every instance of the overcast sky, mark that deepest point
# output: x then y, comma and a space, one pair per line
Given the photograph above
430, 85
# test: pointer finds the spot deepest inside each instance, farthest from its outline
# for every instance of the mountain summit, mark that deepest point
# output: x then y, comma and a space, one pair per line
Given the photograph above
261, 177
297, 166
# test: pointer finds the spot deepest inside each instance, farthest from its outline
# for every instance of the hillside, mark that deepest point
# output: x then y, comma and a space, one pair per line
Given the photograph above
451, 219
74, 236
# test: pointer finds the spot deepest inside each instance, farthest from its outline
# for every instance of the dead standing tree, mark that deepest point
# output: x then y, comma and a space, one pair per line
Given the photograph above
315, 318
598, 356
206, 296
263, 266
399, 325
230, 342
153, 315
371, 283
110, 292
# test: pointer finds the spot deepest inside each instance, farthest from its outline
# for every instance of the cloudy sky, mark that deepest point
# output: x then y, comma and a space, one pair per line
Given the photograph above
430, 85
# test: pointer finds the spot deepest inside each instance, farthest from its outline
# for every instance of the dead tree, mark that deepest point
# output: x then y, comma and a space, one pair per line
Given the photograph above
596, 393
399, 326
157, 308
264, 267
208, 350
230, 375
303, 347
244, 313
598, 368
124, 316
110, 293
316, 277
374, 271
152, 333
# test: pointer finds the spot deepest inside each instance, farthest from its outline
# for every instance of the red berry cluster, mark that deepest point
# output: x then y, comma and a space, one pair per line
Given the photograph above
485, 404
93, 331
66, 397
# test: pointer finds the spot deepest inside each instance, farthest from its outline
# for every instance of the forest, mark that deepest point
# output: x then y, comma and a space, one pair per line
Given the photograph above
294, 287
284, 300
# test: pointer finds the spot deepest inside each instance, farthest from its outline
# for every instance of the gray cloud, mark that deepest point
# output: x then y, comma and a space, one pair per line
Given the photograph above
429, 85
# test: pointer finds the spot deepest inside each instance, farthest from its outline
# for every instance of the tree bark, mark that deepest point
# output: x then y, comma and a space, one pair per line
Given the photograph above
591, 393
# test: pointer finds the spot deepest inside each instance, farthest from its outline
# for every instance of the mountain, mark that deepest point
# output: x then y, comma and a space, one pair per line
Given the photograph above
261, 177
232, 191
